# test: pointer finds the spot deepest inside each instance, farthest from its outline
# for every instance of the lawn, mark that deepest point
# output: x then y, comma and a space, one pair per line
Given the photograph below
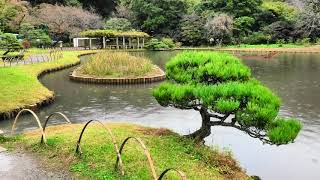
20, 85
168, 150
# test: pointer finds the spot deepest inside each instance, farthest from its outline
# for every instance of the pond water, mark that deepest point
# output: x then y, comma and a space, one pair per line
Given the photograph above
294, 77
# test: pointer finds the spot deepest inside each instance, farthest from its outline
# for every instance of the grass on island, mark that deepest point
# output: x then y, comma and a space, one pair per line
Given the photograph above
117, 64
98, 159
20, 86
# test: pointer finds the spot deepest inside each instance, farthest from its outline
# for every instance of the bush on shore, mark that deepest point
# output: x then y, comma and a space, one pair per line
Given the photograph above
163, 44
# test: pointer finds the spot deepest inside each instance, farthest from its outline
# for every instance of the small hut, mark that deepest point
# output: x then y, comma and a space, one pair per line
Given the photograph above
111, 39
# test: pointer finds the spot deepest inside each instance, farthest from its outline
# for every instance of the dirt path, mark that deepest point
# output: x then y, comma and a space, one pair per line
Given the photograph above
20, 166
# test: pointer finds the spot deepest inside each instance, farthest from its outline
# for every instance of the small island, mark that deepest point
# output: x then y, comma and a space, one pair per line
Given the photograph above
117, 68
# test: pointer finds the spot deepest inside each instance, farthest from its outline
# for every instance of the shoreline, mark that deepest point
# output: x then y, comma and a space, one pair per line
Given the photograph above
78, 77
310, 49
43, 102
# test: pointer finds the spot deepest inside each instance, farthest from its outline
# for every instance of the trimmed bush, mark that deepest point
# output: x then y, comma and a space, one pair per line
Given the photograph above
169, 42
257, 38
155, 44
219, 85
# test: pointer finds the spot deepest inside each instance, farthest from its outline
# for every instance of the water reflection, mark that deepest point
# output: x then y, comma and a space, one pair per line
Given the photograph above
294, 77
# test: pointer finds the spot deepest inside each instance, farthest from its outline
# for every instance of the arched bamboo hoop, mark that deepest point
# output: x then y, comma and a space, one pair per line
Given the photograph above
35, 117
78, 148
49, 117
181, 174
146, 152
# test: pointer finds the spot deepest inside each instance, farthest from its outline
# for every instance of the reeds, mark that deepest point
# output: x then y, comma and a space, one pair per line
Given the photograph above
116, 64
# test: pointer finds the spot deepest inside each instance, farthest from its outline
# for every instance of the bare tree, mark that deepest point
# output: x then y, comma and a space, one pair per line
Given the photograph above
298, 3
219, 27
309, 20
122, 11
65, 19
12, 13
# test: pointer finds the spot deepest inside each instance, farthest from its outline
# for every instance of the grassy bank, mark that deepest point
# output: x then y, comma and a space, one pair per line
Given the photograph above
291, 48
267, 46
20, 86
97, 162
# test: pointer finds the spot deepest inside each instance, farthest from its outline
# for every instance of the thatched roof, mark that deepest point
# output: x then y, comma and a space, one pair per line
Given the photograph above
112, 33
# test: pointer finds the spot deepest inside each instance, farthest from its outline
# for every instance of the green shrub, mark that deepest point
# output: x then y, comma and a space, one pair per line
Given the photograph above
280, 42
257, 38
155, 44
169, 42
304, 41
179, 44
36, 37
118, 24
9, 42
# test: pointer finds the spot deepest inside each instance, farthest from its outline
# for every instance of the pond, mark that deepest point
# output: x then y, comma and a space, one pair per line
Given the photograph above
294, 77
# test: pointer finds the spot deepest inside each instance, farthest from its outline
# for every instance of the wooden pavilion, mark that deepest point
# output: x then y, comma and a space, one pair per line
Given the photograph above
111, 39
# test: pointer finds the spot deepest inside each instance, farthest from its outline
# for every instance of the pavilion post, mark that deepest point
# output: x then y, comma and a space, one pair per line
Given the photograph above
129, 42
138, 42
142, 42
104, 42
90, 43
117, 41
123, 42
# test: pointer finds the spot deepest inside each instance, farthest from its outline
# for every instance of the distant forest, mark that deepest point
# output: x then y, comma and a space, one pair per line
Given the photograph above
191, 22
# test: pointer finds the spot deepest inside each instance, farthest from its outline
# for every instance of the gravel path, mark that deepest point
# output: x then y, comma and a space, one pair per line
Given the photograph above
38, 58
20, 166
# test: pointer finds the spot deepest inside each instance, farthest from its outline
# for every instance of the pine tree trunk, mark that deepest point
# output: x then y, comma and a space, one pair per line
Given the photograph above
205, 129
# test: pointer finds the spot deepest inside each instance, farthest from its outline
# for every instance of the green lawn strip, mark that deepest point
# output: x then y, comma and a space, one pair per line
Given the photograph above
97, 162
20, 86
250, 46
267, 46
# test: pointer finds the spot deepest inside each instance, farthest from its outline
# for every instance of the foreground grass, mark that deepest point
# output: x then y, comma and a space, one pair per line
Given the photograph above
97, 162
117, 64
20, 86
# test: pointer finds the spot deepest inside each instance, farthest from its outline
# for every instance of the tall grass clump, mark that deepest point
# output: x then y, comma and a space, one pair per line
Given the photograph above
116, 64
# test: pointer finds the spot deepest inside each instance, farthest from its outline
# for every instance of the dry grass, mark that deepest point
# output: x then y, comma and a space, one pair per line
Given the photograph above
116, 64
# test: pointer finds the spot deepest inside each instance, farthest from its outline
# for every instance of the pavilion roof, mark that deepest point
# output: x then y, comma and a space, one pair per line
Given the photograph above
112, 33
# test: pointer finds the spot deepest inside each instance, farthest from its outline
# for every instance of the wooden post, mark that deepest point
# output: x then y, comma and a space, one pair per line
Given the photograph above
104, 42
117, 41
123, 42
142, 42
130, 43
138, 43
90, 43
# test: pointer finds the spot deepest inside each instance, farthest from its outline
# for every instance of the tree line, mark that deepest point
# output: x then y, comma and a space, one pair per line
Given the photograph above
191, 22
